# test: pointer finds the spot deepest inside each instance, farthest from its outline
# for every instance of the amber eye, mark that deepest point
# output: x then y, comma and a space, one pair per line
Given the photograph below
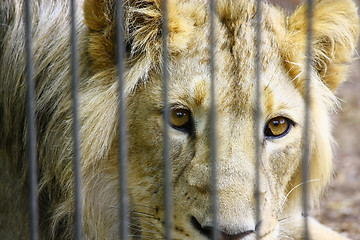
180, 119
278, 127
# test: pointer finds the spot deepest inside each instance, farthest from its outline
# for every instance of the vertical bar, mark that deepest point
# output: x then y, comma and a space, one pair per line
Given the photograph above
166, 116
31, 138
306, 149
258, 128
76, 128
215, 230
123, 150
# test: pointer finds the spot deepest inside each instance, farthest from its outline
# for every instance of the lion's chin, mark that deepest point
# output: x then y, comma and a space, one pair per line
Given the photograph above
241, 233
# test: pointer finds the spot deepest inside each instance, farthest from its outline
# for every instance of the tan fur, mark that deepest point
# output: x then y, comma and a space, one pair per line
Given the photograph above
335, 34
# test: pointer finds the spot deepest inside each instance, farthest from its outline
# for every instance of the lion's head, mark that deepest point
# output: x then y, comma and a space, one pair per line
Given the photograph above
283, 44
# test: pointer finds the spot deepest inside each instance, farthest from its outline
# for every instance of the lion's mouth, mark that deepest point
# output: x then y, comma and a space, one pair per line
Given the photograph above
208, 231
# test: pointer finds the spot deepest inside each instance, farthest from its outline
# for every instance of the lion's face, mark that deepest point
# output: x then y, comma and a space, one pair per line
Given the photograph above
282, 121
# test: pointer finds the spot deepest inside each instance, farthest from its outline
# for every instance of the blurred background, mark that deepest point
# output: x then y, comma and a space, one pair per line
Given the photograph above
340, 209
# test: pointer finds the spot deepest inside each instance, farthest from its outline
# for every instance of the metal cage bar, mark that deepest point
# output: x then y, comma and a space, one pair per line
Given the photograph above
213, 153
166, 118
258, 113
31, 138
78, 215
306, 133
123, 145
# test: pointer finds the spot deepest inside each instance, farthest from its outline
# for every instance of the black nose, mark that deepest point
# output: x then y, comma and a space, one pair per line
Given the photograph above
207, 231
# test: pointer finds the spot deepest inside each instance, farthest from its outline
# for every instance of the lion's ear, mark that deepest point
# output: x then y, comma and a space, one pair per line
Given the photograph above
335, 32
99, 16
143, 29
97, 13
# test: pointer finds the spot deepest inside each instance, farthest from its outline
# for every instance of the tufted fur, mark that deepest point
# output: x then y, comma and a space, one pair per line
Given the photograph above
335, 34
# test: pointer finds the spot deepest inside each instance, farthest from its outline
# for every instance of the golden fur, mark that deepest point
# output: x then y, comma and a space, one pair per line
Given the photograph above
335, 34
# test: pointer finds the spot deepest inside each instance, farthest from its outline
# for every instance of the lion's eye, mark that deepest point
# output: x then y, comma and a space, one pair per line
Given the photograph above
278, 127
180, 119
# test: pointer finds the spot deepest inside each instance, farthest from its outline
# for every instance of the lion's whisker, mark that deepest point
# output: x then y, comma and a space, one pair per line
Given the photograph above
287, 195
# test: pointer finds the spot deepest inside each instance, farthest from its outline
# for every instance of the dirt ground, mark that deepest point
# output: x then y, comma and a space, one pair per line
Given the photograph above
341, 207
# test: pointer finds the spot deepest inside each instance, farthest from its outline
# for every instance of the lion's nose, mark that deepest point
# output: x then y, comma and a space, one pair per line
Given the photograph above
207, 231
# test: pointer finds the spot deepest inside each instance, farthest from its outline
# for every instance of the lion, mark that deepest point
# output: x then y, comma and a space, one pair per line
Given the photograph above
335, 30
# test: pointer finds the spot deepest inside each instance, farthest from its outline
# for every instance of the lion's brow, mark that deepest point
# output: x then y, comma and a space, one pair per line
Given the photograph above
200, 92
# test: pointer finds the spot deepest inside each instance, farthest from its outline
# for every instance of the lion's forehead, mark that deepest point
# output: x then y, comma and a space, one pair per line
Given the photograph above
235, 81
235, 67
